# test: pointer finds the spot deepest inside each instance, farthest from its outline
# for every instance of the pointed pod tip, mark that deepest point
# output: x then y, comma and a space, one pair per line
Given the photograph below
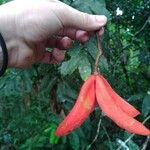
59, 132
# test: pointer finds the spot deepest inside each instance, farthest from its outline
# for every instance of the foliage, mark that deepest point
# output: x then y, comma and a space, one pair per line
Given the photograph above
33, 101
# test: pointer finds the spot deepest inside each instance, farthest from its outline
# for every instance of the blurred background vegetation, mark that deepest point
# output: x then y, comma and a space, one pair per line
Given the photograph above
33, 101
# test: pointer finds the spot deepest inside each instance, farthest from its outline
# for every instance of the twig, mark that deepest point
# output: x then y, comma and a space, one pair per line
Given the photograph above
111, 148
142, 28
145, 143
97, 133
131, 136
100, 52
136, 33
126, 141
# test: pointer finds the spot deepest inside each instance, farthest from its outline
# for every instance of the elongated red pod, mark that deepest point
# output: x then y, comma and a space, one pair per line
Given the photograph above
125, 106
115, 113
84, 105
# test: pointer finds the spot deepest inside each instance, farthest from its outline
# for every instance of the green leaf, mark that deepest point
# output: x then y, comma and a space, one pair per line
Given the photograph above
47, 130
146, 105
135, 97
99, 7
74, 141
68, 67
53, 139
51, 127
84, 68
91, 46
92, 6
103, 64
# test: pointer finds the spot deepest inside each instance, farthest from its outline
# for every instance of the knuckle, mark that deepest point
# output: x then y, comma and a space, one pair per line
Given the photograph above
85, 20
28, 58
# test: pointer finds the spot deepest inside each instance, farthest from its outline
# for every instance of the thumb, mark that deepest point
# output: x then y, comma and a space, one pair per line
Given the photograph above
76, 19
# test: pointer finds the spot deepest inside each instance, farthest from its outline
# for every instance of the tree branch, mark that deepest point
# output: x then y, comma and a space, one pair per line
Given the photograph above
138, 32
142, 28
97, 133
111, 148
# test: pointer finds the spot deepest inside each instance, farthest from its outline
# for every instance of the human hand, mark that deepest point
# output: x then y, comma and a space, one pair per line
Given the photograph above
29, 27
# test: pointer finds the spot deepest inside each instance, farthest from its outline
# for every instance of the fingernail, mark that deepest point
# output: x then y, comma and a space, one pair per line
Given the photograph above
85, 37
66, 42
101, 19
82, 36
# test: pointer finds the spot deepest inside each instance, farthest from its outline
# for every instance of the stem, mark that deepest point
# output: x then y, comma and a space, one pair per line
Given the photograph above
99, 54
109, 140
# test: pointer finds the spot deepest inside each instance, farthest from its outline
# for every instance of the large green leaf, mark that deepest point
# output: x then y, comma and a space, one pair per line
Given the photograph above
92, 6
103, 64
84, 68
68, 67
91, 47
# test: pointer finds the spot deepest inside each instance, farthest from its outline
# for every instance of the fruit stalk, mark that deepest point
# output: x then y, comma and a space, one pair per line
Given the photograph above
100, 51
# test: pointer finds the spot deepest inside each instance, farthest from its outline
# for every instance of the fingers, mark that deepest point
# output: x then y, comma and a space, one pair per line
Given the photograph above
76, 19
56, 56
82, 36
70, 34
101, 32
61, 43
74, 34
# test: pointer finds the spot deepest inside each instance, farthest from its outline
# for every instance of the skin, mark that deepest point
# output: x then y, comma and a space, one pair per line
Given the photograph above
29, 27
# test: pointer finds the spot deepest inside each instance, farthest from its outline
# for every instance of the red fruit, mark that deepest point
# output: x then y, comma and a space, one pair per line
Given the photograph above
84, 105
120, 102
114, 112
